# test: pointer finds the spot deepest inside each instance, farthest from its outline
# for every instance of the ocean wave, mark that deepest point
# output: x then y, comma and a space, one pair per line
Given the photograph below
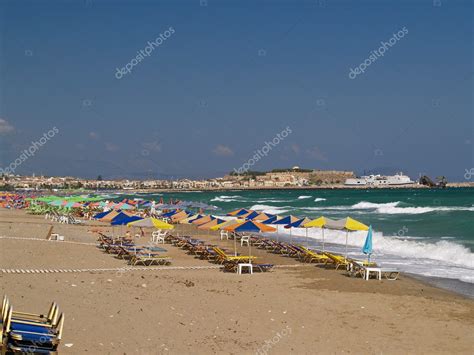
318, 199
303, 197
370, 205
263, 200
390, 208
271, 209
226, 198
435, 255
420, 210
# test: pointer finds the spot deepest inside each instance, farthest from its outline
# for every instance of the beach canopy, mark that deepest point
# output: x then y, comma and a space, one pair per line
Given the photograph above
348, 224
179, 216
123, 219
101, 214
151, 222
271, 220
203, 220
299, 223
285, 220
320, 222
250, 215
210, 224
239, 212
226, 224
250, 226
262, 216
189, 219
110, 216
170, 213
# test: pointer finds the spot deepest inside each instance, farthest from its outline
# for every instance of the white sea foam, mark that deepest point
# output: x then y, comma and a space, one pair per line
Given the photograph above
271, 209
370, 205
420, 210
442, 258
303, 197
225, 198
263, 200
318, 199
390, 208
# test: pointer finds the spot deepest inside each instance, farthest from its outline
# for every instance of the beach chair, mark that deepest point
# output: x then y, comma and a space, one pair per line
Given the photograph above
222, 257
148, 259
50, 318
310, 256
159, 236
339, 260
30, 337
224, 234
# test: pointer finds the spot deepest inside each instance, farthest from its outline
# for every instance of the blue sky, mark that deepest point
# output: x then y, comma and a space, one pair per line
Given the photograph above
232, 76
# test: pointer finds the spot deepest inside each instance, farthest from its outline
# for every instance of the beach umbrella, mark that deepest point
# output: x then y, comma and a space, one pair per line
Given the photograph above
348, 224
123, 219
109, 216
179, 216
296, 224
320, 222
210, 224
101, 214
203, 220
226, 224
250, 215
239, 212
151, 222
367, 248
271, 219
189, 219
170, 213
285, 220
249, 226
262, 216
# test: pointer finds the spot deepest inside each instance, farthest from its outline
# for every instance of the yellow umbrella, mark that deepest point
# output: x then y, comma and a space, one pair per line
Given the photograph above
347, 224
320, 222
151, 222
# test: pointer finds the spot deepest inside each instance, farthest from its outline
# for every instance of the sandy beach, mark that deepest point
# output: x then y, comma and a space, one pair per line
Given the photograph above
295, 308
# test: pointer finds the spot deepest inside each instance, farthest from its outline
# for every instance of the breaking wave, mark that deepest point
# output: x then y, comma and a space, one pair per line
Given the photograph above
225, 198
271, 209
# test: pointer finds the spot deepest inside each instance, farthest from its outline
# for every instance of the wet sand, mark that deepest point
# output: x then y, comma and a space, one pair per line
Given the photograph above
296, 308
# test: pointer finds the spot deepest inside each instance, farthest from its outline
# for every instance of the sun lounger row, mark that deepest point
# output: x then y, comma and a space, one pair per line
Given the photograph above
63, 219
215, 254
28, 332
355, 267
135, 254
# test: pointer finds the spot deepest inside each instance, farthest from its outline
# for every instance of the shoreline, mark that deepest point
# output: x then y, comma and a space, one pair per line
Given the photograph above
209, 311
290, 188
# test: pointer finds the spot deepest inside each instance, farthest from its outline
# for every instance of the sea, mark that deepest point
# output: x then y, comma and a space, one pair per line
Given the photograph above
428, 233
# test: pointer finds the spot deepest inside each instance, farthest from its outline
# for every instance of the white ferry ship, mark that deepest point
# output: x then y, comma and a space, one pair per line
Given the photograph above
380, 180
